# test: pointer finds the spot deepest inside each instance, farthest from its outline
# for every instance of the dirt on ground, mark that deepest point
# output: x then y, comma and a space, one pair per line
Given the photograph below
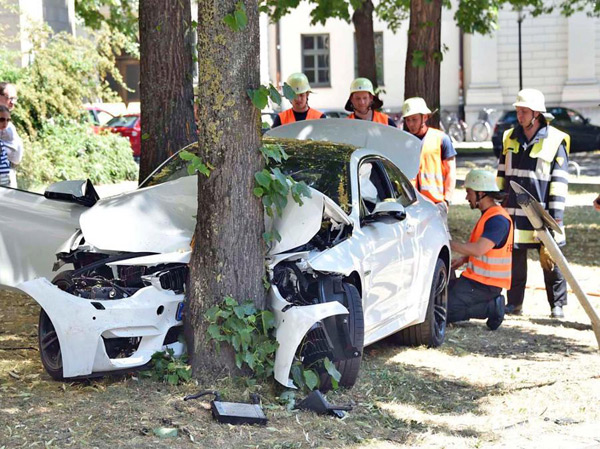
533, 383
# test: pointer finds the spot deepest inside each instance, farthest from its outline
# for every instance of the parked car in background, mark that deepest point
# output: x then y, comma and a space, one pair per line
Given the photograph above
584, 135
128, 126
98, 117
334, 113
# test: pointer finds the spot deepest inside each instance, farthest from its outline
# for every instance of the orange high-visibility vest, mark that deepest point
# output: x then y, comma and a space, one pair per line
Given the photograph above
430, 179
494, 267
378, 117
288, 116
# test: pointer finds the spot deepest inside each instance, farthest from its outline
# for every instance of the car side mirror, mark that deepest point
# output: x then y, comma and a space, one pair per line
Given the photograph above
389, 209
80, 192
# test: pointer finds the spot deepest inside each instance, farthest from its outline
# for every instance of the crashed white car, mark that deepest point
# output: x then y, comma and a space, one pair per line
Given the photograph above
365, 257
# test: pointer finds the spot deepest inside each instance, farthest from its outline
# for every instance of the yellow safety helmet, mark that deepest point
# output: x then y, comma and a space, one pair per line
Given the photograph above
532, 99
481, 181
413, 106
362, 85
298, 82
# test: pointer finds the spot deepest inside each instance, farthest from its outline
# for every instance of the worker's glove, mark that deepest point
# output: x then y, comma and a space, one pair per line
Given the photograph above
546, 259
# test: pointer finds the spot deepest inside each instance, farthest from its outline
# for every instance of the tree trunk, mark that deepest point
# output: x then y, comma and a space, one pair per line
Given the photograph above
228, 254
166, 85
423, 56
365, 41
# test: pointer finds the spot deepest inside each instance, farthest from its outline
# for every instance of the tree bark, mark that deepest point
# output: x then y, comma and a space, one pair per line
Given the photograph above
423, 56
228, 254
166, 85
365, 41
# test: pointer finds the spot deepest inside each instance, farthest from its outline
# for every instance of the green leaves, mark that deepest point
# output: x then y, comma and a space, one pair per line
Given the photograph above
237, 20
288, 92
333, 372
248, 331
418, 58
260, 97
196, 164
169, 369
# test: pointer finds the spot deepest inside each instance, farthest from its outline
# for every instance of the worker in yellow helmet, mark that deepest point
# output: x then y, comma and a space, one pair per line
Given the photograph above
363, 103
300, 109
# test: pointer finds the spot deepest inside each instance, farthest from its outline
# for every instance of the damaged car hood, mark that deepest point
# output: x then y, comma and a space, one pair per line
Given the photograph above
298, 224
158, 219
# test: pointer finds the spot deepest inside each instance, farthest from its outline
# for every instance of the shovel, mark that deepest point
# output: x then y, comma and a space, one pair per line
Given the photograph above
541, 221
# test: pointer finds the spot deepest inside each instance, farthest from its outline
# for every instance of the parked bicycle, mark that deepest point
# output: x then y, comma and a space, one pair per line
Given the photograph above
482, 129
453, 126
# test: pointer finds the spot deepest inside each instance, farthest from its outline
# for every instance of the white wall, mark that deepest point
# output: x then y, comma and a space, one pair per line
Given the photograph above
341, 42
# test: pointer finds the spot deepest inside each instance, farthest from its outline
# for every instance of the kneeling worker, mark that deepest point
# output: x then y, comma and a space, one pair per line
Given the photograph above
300, 109
488, 255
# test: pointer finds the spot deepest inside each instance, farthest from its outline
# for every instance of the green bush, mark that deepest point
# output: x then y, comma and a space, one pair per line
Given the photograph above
68, 150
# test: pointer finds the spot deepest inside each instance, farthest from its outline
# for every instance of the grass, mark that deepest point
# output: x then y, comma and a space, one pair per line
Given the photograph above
533, 383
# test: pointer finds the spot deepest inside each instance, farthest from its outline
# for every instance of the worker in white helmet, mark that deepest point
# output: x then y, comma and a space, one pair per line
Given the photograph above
535, 155
300, 109
477, 293
437, 170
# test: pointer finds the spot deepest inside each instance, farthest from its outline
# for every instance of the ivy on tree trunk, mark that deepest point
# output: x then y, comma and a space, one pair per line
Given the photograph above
166, 85
423, 56
228, 253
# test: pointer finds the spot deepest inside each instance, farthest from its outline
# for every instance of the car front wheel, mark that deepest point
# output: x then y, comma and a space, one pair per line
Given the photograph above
432, 331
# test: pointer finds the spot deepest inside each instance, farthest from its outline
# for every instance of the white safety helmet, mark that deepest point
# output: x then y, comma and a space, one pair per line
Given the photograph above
532, 99
413, 106
481, 181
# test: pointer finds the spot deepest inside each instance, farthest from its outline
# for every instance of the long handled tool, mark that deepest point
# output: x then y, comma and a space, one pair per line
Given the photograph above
541, 221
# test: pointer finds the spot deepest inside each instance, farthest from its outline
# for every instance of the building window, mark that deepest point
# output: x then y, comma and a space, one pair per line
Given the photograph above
315, 59
378, 57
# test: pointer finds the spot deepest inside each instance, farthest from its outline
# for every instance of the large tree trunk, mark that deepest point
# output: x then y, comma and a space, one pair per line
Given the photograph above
166, 85
365, 41
423, 56
228, 254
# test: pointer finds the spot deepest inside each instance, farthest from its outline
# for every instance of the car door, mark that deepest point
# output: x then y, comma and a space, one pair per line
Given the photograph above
32, 227
380, 240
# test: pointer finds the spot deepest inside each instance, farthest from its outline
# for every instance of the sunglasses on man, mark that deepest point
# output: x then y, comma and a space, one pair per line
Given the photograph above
4, 119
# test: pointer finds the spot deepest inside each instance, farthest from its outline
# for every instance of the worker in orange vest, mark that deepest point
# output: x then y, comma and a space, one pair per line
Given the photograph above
363, 103
300, 109
437, 171
488, 255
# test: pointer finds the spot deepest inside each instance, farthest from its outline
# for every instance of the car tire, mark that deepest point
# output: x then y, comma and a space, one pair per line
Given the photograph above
432, 331
350, 368
49, 345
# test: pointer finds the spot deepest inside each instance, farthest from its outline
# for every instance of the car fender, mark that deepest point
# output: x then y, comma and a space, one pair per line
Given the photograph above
81, 323
292, 324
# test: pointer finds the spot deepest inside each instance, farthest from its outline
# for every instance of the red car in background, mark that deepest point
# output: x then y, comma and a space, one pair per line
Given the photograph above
128, 126
98, 117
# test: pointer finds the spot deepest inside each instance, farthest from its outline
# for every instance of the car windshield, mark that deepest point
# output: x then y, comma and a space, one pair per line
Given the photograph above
510, 117
126, 121
321, 165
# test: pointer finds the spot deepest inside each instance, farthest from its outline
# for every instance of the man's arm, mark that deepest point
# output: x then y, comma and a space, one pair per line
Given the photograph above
478, 248
559, 184
449, 170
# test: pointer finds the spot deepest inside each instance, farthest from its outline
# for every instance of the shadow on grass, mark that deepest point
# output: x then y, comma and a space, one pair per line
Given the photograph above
514, 341
566, 324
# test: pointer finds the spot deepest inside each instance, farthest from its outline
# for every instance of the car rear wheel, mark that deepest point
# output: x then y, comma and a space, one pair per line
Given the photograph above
432, 331
349, 368
50, 351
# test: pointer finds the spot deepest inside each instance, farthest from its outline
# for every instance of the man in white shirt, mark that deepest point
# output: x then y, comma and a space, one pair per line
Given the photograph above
11, 140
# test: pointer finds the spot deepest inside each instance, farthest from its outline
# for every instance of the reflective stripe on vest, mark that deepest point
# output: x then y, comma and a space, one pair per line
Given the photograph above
289, 117
430, 179
378, 117
495, 266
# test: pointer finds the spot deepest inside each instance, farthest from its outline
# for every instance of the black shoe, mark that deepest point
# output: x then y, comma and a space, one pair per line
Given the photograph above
557, 312
511, 309
495, 313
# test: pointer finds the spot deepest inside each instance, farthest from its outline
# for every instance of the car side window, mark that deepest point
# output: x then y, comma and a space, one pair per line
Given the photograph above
404, 191
373, 184
561, 118
576, 119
